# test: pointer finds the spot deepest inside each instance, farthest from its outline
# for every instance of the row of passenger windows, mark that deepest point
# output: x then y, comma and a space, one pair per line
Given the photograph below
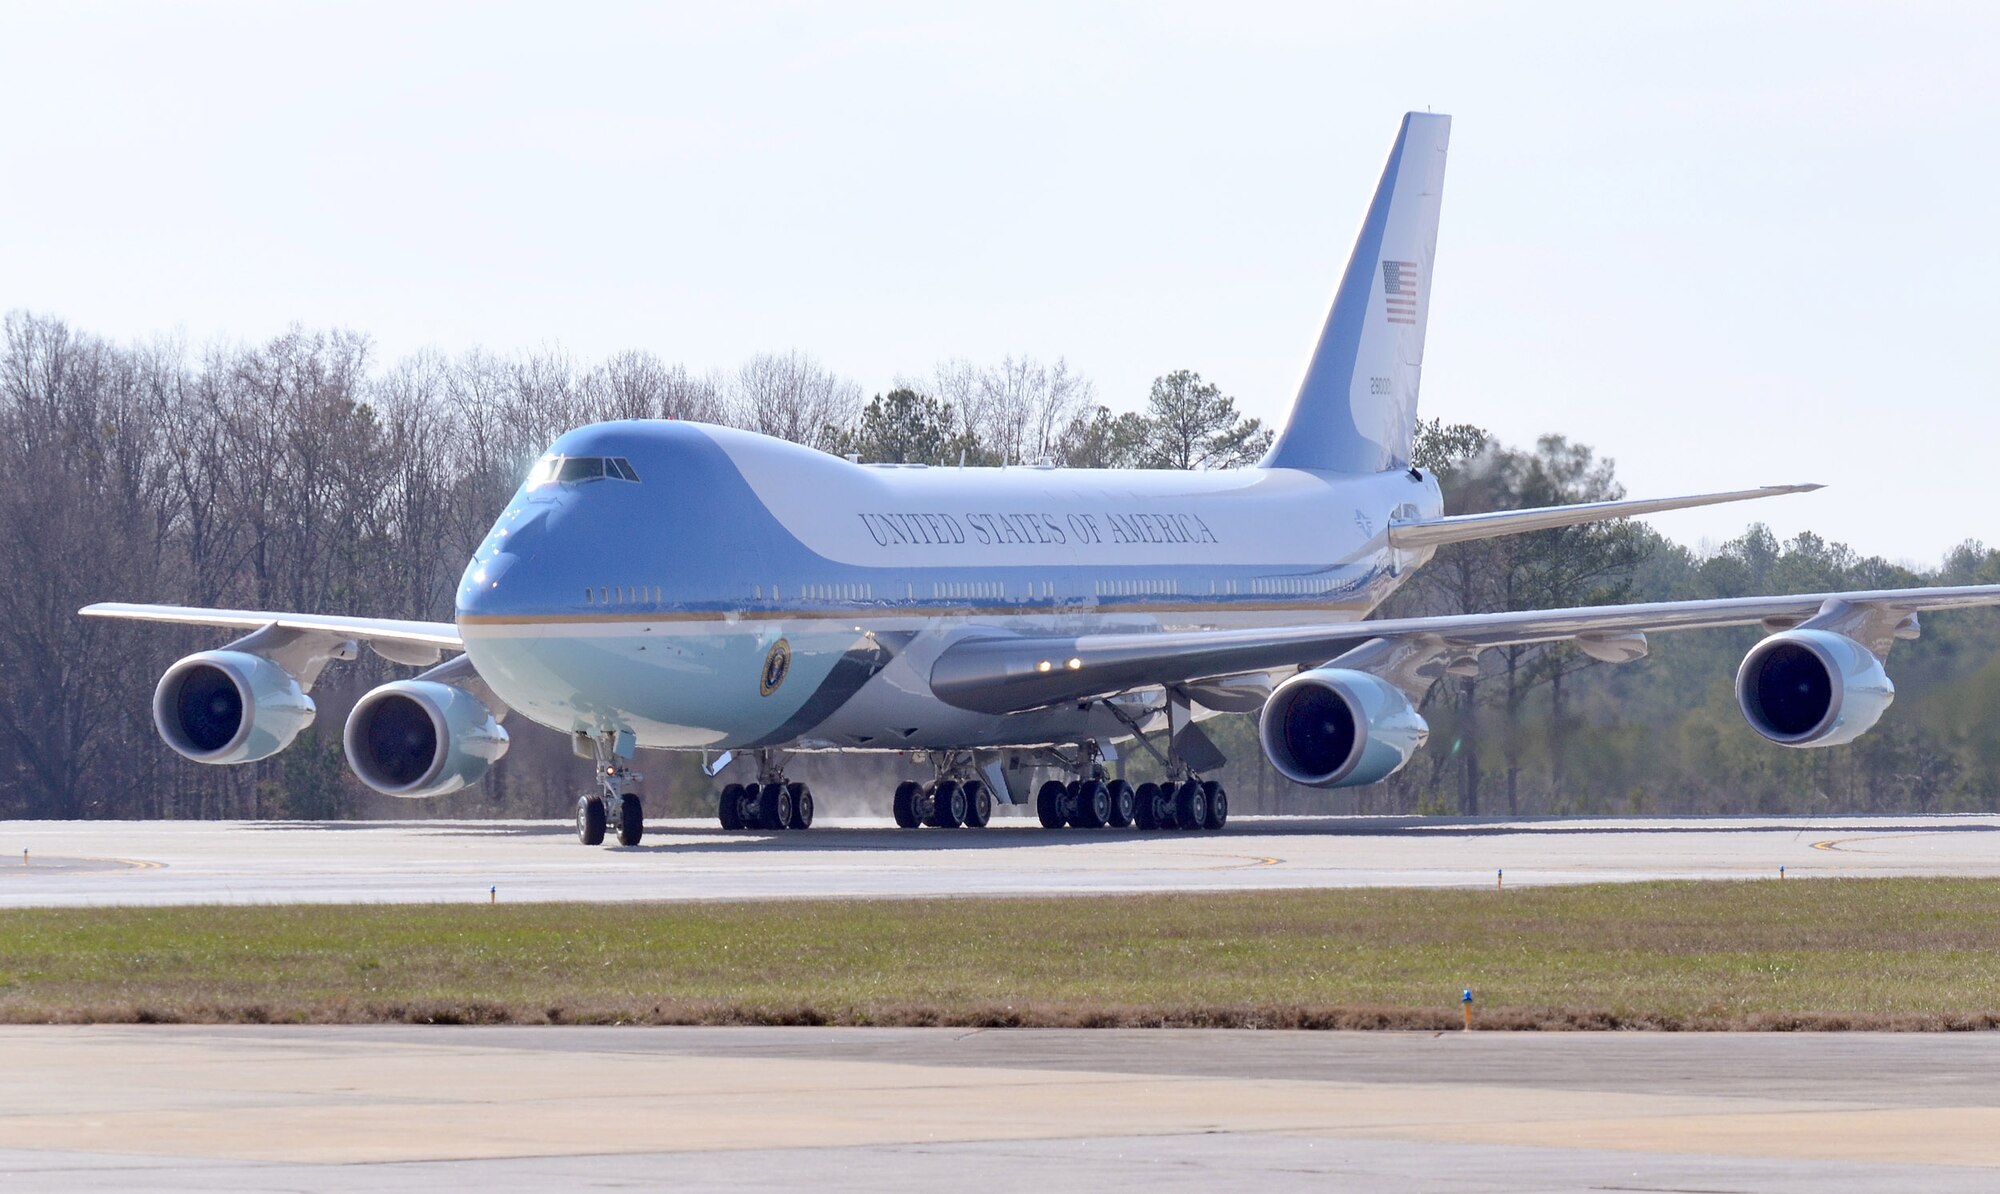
621, 594
1137, 588
1047, 589
550, 470
1290, 584
642, 594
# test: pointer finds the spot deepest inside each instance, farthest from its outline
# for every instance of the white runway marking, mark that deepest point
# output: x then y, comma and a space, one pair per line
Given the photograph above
89, 863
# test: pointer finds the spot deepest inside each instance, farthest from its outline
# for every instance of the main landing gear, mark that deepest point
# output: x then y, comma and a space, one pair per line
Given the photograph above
1095, 801
957, 797
770, 803
615, 805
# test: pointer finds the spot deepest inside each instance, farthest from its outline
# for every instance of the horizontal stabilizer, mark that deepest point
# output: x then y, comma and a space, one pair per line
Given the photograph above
1459, 528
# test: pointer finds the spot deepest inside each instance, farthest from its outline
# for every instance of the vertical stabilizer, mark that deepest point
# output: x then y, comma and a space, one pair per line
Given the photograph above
1357, 407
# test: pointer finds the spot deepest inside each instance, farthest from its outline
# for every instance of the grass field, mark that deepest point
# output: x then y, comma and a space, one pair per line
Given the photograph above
1884, 953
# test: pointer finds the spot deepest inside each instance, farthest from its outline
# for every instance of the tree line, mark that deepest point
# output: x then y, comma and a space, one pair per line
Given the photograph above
302, 473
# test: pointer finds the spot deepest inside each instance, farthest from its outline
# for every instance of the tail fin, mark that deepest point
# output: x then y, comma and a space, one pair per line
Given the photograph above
1357, 407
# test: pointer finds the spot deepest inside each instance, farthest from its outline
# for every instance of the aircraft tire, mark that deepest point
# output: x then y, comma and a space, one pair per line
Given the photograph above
590, 820
802, 805
1218, 804
905, 804
1190, 806
1093, 805
1124, 804
631, 820
947, 805
1049, 805
1145, 807
978, 805
729, 807
774, 807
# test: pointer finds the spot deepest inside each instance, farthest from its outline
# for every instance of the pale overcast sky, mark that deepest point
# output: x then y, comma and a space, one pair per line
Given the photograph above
1725, 244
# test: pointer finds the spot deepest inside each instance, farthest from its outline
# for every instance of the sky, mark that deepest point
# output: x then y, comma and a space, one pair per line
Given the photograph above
1723, 244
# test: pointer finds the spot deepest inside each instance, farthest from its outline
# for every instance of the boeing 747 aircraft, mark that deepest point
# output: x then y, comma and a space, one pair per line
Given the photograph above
678, 586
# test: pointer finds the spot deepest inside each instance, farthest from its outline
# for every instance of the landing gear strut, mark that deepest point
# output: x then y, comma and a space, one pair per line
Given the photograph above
957, 797
615, 805
771, 803
1092, 800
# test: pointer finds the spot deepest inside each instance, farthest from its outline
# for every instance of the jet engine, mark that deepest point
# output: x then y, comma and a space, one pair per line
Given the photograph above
1812, 688
230, 707
422, 738
1336, 728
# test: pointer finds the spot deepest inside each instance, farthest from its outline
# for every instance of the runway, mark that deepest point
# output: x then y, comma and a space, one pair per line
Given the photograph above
94, 863
405, 1108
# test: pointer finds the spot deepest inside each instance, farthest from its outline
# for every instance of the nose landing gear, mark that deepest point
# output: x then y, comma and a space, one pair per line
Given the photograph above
615, 805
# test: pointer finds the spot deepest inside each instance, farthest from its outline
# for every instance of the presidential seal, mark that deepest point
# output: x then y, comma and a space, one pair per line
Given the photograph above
776, 664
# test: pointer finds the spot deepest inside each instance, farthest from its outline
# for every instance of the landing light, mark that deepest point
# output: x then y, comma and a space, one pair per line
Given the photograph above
1075, 663
1043, 666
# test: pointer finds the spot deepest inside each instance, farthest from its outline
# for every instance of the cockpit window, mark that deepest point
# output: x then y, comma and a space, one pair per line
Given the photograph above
581, 468
571, 469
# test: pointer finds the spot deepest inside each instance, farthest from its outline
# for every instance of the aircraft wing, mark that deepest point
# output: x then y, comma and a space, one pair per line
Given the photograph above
1010, 674
1460, 528
392, 638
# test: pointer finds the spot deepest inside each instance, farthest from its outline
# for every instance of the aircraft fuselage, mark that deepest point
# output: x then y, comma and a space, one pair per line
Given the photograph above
746, 592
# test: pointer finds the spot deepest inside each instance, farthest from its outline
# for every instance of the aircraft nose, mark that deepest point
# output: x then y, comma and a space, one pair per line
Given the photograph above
494, 581
483, 588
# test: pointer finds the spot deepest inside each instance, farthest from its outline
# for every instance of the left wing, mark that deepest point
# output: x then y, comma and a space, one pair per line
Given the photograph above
1009, 675
1462, 528
392, 638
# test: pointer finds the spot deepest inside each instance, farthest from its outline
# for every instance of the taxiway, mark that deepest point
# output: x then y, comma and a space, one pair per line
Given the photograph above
95, 863
404, 1108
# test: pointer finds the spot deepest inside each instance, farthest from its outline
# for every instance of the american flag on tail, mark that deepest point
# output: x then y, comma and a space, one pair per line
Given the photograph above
1399, 290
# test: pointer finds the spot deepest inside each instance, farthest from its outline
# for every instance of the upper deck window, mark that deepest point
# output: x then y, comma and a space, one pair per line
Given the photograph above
576, 469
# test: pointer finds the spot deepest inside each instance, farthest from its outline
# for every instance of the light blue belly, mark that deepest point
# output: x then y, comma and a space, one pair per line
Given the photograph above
677, 684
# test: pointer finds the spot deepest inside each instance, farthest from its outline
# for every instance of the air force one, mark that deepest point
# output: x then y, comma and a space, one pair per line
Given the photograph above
678, 586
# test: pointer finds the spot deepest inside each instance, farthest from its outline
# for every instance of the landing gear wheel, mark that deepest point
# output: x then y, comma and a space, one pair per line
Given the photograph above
1218, 804
774, 807
978, 805
1190, 806
948, 805
1049, 805
802, 805
589, 820
1124, 804
907, 794
729, 807
1093, 805
631, 820
1146, 807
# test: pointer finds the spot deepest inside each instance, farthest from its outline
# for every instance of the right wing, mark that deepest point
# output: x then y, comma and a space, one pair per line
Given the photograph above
1012, 674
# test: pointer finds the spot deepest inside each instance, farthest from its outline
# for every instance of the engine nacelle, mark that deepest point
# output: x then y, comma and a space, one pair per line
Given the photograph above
1812, 688
422, 738
1336, 728
230, 707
